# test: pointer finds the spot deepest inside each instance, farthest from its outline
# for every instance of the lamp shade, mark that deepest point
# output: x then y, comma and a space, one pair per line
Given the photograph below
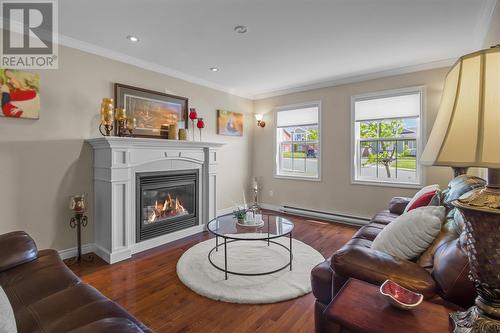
466, 132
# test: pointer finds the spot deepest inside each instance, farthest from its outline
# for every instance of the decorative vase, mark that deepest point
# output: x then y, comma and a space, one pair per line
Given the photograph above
172, 132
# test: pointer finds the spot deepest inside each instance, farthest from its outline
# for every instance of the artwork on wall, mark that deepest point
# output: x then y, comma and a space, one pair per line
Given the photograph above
151, 109
229, 123
20, 94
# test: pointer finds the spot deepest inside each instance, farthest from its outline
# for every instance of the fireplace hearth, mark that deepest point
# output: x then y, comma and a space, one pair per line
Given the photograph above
166, 202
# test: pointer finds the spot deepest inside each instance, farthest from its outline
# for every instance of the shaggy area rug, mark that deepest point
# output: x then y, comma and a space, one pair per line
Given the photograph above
196, 272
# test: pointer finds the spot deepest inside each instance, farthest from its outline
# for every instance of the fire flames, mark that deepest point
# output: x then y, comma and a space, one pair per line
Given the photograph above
169, 208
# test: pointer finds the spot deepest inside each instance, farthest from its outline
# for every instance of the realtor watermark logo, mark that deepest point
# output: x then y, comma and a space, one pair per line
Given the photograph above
29, 34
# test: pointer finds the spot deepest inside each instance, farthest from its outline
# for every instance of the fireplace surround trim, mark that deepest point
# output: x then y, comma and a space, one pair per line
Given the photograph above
117, 160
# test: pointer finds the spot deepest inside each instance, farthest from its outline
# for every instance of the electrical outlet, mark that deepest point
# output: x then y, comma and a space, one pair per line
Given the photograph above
271, 193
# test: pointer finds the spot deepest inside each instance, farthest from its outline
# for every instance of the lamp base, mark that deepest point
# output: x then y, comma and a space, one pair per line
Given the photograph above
457, 171
481, 211
473, 321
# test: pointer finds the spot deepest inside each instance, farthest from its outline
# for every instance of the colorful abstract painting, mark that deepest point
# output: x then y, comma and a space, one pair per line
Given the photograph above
20, 94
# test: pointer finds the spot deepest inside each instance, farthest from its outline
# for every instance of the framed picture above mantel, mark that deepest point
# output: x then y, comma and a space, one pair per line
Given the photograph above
151, 109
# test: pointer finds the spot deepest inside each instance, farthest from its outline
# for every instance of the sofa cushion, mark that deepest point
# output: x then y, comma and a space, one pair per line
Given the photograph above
411, 233
7, 319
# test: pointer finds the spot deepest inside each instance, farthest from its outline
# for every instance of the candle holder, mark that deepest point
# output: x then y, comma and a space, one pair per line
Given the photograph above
200, 124
107, 117
255, 188
78, 205
122, 128
193, 115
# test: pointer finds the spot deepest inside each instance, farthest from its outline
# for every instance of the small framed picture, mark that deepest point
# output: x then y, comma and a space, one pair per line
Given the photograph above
229, 123
151, 109
20, 94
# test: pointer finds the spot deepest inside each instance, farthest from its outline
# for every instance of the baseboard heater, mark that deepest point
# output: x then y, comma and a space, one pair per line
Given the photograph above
348, 219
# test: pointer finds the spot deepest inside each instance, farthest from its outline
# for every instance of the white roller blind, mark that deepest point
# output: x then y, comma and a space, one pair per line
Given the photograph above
297, 117
403, 106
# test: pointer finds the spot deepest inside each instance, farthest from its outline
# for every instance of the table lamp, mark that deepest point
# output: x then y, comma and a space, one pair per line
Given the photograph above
466, 133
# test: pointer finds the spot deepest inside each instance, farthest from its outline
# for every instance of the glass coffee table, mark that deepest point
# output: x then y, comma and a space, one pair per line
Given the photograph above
227, 230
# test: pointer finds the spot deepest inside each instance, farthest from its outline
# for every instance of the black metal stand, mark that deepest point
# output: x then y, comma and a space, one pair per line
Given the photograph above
78, 221
268, 240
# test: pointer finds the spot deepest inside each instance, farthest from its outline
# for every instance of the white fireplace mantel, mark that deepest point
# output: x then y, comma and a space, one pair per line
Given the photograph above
116, 162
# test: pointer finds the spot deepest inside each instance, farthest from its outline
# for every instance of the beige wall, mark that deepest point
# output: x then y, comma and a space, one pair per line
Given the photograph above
335, 193
493, 35
43, 162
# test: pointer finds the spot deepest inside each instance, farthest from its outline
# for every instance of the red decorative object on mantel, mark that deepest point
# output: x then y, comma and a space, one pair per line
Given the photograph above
193, 115
200, 124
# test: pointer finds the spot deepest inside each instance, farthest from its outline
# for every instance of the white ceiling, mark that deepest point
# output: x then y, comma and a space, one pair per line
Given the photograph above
289, 43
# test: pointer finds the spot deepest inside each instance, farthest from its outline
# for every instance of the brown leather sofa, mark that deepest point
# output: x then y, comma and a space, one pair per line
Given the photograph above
440, 274
47, 297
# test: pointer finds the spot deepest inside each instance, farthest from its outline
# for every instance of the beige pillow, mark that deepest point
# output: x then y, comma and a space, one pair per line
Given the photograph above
7, 319
410, 234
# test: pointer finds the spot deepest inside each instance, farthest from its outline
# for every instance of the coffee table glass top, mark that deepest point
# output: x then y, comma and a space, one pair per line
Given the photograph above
274, 226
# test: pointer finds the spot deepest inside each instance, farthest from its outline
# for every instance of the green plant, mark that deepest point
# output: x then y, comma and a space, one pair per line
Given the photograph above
240, 214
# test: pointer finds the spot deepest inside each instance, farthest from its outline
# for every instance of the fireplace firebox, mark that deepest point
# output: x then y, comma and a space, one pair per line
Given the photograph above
166, 202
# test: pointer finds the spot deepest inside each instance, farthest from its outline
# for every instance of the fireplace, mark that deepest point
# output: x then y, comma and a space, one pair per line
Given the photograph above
166, 202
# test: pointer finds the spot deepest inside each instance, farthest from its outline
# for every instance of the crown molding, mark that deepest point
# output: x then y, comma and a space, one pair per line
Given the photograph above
358, 78
122, 57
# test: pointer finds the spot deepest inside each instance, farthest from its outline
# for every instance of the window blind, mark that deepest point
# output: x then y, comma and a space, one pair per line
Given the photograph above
402, 106
297, 117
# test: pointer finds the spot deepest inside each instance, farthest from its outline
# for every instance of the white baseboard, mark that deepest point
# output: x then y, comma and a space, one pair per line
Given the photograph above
73, 252
328, 216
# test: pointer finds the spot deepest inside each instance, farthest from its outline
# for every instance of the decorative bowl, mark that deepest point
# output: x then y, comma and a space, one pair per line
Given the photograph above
400, 297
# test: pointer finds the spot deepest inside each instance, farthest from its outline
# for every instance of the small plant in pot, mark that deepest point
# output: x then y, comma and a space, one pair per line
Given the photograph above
240, 214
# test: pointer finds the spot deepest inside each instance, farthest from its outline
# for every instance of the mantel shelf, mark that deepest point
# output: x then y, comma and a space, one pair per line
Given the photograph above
116, 141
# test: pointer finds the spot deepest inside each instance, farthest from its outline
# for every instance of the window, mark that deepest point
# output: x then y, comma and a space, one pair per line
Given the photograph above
387, 137
298, 141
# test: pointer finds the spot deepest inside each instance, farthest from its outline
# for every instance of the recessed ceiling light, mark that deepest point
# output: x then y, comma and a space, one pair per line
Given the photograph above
132, 38
241, 29
214, 69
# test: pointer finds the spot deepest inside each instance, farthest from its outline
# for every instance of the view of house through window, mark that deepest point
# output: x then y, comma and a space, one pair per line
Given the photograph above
387, 136
297, 141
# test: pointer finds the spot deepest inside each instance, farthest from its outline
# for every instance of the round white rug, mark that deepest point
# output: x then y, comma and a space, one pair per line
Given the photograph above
196, 272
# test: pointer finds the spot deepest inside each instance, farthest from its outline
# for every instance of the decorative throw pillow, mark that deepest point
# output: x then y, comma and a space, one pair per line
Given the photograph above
7, 319
423, 200
410, 234
429, 188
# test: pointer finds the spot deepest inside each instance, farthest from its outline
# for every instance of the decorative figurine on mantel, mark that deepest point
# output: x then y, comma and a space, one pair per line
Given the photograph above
79, 206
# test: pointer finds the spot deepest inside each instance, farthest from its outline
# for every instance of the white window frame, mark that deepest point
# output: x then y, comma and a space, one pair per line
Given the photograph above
320, 142
421, 174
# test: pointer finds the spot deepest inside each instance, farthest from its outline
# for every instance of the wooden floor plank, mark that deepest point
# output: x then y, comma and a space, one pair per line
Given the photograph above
148, 287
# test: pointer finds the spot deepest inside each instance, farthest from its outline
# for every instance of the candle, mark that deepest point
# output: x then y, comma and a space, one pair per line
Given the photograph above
120, 114
131, 124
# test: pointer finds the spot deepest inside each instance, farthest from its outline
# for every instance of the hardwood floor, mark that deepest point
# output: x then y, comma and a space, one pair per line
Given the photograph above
148, 287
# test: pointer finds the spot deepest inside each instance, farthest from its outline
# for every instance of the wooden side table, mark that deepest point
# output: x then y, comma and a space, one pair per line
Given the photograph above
360, 308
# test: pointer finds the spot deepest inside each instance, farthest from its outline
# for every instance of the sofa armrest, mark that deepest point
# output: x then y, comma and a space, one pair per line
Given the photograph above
16, 248
375, 267
322, 281
397, 205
